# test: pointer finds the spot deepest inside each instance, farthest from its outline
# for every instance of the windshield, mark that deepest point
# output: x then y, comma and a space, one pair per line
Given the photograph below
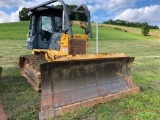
47, 24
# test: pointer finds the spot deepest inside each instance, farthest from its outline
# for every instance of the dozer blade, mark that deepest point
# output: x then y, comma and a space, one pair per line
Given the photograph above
69, 85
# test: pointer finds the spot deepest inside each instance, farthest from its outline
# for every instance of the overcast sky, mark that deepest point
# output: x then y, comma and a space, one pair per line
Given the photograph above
130, 10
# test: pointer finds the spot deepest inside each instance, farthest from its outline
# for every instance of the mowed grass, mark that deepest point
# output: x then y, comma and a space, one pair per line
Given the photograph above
109, 33
153, 32
14, 31
21, 102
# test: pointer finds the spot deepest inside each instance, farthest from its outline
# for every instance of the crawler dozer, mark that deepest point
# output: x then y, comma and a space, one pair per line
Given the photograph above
61, 68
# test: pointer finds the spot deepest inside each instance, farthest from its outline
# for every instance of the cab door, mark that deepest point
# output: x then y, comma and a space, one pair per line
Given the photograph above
45, 31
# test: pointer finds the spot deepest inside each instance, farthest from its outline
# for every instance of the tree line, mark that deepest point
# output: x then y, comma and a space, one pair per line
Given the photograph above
128, 24
75, 16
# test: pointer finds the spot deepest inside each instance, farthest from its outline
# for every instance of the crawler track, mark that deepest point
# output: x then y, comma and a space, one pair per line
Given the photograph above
30, 69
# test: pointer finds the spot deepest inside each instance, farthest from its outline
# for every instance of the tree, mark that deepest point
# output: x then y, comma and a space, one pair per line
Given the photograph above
23, 14
145, 29
75, 16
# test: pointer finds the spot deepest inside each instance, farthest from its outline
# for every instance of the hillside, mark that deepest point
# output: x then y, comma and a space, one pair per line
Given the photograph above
14, 31
18, 31
153, 32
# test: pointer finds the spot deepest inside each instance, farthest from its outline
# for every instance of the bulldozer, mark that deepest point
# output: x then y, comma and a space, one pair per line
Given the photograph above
62, 70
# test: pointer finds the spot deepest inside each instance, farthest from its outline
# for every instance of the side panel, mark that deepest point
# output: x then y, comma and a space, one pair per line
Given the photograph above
55, 41
32, 40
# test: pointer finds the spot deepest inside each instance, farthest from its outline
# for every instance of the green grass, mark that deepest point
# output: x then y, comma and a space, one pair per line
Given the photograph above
14, 31
18, 31
21, 102
108, 33
19, 99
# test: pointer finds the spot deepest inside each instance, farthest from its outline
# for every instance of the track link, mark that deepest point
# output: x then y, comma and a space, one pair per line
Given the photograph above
30, 69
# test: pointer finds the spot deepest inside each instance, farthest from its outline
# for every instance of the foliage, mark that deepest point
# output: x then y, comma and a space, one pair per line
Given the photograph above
75, 16
127, 23
145, 29
23, 14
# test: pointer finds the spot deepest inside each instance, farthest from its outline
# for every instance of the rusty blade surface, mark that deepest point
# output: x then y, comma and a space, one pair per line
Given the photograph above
68, 82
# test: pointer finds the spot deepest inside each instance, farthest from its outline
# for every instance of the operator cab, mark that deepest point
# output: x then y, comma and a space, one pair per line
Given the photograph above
48, 23
44, 24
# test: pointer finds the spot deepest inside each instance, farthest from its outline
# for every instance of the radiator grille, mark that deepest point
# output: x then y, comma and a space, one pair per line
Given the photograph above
77, 46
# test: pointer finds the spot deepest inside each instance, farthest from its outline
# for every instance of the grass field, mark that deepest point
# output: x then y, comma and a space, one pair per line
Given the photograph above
18, 31
14, 31
21, 102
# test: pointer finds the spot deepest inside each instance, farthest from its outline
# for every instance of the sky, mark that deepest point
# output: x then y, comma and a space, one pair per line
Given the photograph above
101, 10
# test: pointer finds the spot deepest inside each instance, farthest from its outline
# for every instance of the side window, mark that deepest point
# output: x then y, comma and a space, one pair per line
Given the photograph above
58, 23
32, 26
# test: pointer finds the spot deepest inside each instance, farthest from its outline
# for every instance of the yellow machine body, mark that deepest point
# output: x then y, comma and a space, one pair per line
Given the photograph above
61, 68
70, 47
